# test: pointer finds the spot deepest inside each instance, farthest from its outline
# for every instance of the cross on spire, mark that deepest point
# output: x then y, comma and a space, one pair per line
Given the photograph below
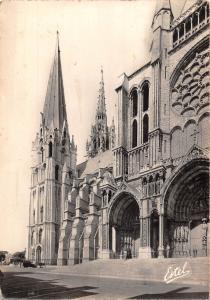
194, 135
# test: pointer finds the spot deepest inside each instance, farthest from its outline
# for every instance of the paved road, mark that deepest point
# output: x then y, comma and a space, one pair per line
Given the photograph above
36, 284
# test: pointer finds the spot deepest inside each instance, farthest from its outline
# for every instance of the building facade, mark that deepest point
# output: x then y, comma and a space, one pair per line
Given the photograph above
144, 188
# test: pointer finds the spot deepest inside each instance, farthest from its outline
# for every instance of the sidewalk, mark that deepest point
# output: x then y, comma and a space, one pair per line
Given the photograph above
143, 270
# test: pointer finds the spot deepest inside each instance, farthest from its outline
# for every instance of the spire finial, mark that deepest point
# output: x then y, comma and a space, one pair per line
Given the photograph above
102, 74
57, 32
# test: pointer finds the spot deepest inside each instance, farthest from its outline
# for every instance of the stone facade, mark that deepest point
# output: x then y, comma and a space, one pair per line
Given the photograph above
146, 194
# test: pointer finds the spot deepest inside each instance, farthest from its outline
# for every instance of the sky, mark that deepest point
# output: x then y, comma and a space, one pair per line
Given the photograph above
112, 34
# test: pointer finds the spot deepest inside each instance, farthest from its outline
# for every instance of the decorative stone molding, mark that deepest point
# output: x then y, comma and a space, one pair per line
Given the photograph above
191, 90
194, 153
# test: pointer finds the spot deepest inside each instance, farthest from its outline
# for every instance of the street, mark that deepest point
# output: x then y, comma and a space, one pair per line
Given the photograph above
43, 284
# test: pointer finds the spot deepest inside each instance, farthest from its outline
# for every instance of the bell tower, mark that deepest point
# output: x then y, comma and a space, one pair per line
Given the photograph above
53, 170
160, 46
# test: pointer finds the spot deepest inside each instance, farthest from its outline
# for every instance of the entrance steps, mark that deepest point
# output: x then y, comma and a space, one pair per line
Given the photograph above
142, 269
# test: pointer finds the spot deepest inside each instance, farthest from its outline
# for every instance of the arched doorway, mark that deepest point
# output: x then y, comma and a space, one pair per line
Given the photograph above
124, 226
186, 207
38, 255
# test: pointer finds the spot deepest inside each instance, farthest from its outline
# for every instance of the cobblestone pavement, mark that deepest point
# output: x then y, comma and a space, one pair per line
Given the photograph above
36, 284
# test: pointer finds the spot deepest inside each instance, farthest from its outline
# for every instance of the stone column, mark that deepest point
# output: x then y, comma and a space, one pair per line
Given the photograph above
113, 239
145, 249
105, 251
141, 231
205, 7
148, 231
161, 229
191, 24
139, 117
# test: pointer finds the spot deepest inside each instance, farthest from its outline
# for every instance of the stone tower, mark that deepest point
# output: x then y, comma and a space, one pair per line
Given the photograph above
102, 137
53, 170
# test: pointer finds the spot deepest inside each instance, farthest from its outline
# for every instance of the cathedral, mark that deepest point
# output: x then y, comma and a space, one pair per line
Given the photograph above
143, 189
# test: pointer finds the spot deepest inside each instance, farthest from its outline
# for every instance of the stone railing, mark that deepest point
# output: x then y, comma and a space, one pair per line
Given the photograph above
138, 158
190, 25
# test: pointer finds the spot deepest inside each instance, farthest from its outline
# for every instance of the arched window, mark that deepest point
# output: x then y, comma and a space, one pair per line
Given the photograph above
181, 30
188, 25
145, 128
145, 93
42, 154
150, 189
56, 172
104, 196
94, 144
144, 187
195, 20
157, 184
175, 35
202, 14
50, 149
134, 134
40, 235
134, 98
64, 133
41, 214
109, 196
107, 143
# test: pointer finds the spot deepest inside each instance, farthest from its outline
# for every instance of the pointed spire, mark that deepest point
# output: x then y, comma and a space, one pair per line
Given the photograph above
55, 108
101, 97
58, 46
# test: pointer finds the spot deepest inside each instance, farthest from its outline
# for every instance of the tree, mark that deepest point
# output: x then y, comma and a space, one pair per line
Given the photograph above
18, 257
2, 255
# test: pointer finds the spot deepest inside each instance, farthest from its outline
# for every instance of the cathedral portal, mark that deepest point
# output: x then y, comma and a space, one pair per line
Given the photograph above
124, 226
187, 210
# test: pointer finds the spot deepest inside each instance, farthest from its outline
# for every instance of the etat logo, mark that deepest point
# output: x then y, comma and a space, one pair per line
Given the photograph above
176, 272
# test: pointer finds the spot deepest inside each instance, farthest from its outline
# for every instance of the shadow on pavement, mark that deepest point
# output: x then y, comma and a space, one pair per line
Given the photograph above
13, 286
175, 294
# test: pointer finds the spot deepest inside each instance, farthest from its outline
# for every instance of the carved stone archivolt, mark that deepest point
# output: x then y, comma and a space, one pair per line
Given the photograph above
191, 91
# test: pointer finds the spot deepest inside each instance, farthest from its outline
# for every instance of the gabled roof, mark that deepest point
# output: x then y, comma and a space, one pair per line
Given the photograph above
54, 107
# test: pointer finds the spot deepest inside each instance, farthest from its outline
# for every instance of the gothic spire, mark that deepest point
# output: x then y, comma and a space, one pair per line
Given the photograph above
54, 112
101, 98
